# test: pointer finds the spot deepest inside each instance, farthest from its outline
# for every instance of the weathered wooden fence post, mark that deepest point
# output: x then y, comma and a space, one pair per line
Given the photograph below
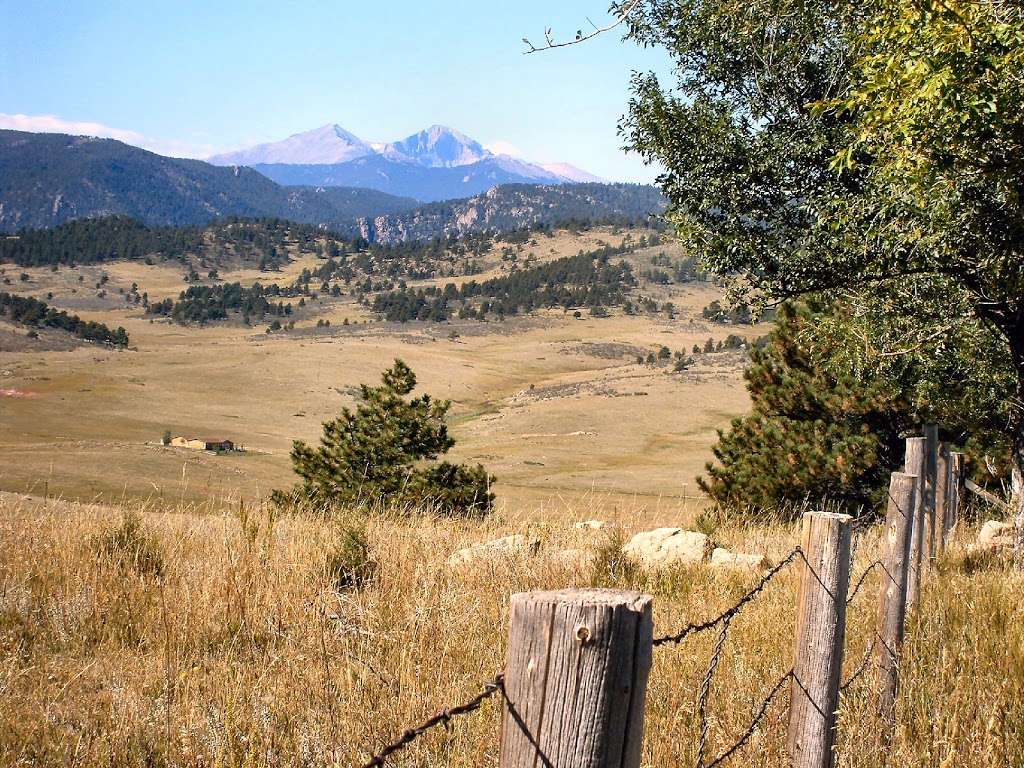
942, 464
931, 438
915, 465
820, 631
955, 498
576, 679
892, 604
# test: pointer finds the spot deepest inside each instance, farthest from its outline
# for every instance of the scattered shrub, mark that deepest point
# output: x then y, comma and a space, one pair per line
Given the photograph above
611, 567
349, 563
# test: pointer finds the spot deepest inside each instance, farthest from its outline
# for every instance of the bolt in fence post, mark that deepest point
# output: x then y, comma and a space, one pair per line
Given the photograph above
941, 497
931, 467
576, 679
915, 465
955, 500
892, 604
820, 630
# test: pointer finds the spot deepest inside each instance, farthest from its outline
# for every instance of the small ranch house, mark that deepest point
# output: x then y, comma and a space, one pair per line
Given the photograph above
202, 444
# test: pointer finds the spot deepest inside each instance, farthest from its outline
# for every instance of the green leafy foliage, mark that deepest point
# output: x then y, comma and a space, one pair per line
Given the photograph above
381, 453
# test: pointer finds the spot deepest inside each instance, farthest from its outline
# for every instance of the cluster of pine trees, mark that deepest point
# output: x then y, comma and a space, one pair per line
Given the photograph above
206, 303
33, 312
585, 280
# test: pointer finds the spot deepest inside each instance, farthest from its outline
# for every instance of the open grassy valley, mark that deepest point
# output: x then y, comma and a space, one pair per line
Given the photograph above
555, 405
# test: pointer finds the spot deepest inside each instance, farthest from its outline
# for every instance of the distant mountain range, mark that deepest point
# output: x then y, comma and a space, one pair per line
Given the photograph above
48, 179
438, 163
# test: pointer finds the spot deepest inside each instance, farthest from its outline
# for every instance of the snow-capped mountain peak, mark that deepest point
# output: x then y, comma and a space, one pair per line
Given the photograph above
327, 145
437, 147
436, 163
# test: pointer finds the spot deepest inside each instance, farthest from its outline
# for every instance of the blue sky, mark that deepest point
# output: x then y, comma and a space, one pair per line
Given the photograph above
192, 78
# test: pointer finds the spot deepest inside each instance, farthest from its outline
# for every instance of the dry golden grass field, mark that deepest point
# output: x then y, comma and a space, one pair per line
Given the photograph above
215, 635
227, 645
556, 407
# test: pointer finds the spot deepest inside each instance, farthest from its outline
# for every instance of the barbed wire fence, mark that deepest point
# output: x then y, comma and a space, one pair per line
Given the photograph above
723, 622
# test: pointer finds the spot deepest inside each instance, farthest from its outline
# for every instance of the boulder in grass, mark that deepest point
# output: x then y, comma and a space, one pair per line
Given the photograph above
996, 536
497, 550
668, 546
723, 558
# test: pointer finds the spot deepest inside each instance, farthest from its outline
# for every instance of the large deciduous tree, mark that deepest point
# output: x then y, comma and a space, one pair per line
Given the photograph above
867, 150
937, 126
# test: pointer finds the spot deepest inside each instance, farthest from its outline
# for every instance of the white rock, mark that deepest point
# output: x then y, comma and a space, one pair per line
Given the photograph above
996, 535
723, 558
503, 548
668, 546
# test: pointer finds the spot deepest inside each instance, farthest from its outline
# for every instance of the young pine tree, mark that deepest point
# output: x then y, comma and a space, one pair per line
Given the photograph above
383, 452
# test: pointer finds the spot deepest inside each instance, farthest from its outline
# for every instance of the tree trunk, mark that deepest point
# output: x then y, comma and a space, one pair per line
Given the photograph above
1018, 499
1017, 479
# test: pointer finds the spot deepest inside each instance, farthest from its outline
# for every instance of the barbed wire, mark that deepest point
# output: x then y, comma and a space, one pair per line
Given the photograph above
863, 577
724, 619
860, 524
865, 663
705, 690
441, 718
728, 614
762, 711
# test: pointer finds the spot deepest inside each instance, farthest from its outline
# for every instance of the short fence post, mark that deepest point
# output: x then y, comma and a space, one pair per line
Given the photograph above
892, 605
915, 465
955, 499
576, 679
820, 630
941, 497
931, 437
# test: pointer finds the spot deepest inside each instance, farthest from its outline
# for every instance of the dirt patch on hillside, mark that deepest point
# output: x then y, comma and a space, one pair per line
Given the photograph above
16, 339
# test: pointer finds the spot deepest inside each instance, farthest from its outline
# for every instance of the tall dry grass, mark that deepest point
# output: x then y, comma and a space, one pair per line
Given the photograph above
236, 651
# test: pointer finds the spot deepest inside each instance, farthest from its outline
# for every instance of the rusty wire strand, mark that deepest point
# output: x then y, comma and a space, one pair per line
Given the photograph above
729, 613
865, 663
863, 577
441, 718
705, 690
761, 712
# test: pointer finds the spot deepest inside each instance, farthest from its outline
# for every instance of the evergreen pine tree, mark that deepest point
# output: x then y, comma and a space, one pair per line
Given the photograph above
382, 452
810, 434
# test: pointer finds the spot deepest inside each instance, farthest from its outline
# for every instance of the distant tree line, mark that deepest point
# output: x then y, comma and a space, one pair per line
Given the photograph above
584, 280
111, 238
665, 270
206, 303
33, 312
